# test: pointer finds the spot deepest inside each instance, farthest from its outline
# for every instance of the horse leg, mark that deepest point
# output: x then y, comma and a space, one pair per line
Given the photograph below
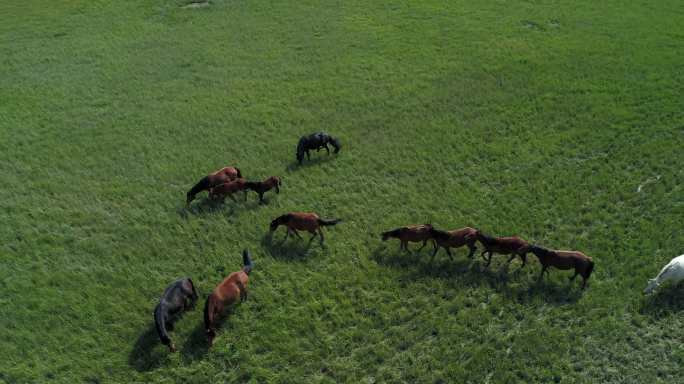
320, 232
473, 248
308, 156
287, 234
573, 276
489, 259
261, 198
313, 234
451, 257
232, 197
434, 252
297, 233
422, 246
326, 148
541, 276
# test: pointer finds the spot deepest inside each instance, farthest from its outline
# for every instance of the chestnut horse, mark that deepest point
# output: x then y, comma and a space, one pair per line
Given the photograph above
220, 192
582, 263
315, 141
228, 292
213, 179
513, 246
413, 233
454, 239
302, 221
262, 187
178, 297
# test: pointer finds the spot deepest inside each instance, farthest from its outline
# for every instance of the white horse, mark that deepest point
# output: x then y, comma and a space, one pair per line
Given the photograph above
674, 271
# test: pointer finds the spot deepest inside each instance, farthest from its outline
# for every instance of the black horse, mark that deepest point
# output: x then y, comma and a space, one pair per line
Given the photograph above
316, 141
178, 297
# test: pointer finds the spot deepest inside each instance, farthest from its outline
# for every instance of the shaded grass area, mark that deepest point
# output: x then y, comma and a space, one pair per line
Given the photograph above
540, 119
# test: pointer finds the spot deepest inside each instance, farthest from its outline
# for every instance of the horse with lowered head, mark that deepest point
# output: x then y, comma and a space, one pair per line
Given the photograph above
228, 292
454, 239
581, 263
178, 297
512, 245
413, 233
316, 141
673, 271
212, 180
302, 221
261, 187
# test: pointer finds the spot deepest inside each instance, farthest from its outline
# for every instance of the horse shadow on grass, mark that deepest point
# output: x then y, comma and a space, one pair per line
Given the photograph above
145, 356
205, 206
667, 301
467, 273
292, 249
196, 345
315, 160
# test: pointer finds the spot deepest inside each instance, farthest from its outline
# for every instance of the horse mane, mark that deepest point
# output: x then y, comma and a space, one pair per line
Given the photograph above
239, 174
391, 233
439, 233
199, 187
159, 323
194, 289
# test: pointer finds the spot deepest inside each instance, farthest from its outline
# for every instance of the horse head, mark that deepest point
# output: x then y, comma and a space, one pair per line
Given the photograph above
335, 143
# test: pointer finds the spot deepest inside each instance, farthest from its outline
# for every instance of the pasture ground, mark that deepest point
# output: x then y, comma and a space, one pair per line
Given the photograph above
536, 118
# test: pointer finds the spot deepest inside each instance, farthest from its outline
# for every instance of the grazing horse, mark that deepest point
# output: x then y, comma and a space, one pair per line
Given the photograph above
582, 263
674, 271
220, 192
228, 292
315, 141
213, 179
454, 239
413, 233
513, 246
302, 221
178, 297
262, 187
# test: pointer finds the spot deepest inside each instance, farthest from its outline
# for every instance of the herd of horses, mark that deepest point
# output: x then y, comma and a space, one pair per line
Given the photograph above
182, 294
514, 246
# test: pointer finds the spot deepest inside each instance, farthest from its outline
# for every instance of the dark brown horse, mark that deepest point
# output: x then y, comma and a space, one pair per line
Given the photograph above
454, 239
262, 187
212, 180
302, 221
412, 233
228, 292
220, 192
178, 297
581, 263
513, 246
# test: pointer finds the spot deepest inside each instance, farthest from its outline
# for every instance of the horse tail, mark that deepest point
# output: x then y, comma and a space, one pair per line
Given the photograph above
392, 233
247, 261
201, 185
209, 314
160, 324
326, 222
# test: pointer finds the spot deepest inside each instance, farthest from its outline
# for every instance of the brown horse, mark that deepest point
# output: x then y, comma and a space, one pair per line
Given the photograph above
220, 192
582, 263
302, 221
213, 179
454, 239
262, 187
513, 246
412, 233
228, 292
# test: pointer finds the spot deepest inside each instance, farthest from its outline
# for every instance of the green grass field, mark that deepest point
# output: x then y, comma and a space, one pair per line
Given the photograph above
535, 118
